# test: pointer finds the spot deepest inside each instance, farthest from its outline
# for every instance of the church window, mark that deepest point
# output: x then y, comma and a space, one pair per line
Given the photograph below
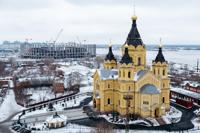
154, 71
163, 85
119, 102
123, 73
145, 102
108, 85
163, 72
129, 74
158, 71
108, 100
163, 99
119, 73
129, 104
139, 61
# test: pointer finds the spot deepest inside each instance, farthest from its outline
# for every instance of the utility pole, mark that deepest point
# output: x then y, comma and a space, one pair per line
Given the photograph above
197, 65
127, 97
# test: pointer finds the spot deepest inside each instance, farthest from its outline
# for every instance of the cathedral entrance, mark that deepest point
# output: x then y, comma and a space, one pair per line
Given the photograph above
94, 103
156, 112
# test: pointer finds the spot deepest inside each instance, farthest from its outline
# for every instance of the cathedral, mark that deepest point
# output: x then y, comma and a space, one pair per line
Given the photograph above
129, 86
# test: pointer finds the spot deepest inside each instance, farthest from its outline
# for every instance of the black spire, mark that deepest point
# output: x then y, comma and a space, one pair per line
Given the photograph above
160, 57
134, 35
126, 58
110, 56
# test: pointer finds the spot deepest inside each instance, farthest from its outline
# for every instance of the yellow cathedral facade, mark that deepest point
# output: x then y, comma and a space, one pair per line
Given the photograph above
129, 86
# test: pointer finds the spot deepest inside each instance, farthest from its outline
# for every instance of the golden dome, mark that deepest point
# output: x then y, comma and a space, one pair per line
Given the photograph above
134, 17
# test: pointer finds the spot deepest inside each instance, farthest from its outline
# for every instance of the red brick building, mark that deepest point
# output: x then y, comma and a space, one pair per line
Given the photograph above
58, 85
195, 87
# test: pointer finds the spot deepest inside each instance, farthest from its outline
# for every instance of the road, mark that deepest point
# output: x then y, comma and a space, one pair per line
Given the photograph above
4, 128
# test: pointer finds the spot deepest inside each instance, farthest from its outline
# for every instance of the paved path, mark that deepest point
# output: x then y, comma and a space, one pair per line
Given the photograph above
4, 128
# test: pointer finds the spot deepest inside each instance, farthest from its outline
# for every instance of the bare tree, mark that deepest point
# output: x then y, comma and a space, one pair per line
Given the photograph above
99, 61
103, 127
12, 61
2, 68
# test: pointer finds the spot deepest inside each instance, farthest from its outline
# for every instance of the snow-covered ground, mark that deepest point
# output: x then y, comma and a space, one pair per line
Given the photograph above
74, 128
42, 94
58, 107
172, 116
123, 121
9, 106
196, 122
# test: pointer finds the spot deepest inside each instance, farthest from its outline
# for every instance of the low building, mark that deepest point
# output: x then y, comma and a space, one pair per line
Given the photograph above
56, 121
185, 95
58, 85
194, 86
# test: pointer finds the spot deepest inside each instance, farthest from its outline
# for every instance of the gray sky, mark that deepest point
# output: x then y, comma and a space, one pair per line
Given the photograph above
98, 21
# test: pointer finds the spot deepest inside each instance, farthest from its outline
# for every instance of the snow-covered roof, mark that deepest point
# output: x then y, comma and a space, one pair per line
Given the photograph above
139, 74
56, 119
186, 92
149, 89
108, 74
41, 78
193, 84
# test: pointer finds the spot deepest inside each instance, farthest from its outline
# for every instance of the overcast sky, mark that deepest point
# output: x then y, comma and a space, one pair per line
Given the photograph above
98, 21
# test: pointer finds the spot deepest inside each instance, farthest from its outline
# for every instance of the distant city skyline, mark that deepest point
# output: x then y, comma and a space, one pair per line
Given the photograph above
98, 21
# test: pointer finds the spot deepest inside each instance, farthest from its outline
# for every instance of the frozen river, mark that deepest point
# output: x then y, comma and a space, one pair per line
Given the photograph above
178, 56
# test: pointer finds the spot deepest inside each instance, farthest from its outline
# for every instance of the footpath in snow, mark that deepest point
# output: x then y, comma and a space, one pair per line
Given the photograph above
9, 106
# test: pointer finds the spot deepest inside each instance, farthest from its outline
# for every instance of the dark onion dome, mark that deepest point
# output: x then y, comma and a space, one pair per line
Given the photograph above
126, 58
110, 56
134, 35
160, 57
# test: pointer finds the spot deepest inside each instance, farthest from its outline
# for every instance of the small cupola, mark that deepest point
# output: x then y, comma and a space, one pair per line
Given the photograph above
160, 57
110, 56
126, 59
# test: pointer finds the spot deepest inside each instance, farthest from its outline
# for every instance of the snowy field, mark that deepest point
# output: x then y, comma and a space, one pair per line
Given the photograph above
42, 94
9, 106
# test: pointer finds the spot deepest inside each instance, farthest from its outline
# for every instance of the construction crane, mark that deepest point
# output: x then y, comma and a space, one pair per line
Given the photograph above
58, 35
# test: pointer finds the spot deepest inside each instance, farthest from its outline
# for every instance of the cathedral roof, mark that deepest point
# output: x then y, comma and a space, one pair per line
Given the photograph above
108, 74
110, 56
126, 58
139, 74
134, 35
160, 57
149, 89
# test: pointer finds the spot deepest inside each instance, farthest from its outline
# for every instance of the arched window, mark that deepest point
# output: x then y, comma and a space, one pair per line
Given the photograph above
108, 100
129, 74
163, 72
139, 61
154, 71
163, 99
119, 73
158, 71
108, 85
123, 73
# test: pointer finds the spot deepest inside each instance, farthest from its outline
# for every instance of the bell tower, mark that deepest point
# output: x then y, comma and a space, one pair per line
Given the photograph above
160, 69
110, 61
136, 47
